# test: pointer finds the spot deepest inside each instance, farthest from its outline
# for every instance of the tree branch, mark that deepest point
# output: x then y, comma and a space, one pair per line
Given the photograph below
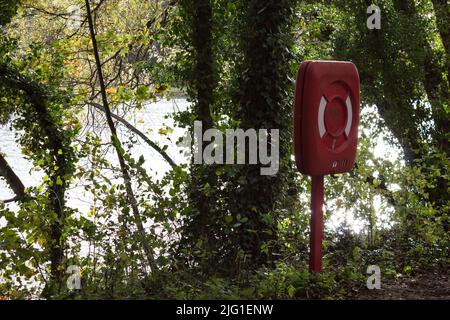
12, 179
163, 16
133, 129
131, 198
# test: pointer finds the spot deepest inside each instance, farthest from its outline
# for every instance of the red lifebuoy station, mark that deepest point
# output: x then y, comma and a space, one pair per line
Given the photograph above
326, 120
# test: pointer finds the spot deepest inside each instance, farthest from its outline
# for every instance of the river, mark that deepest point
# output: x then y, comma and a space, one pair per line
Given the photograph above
150, 120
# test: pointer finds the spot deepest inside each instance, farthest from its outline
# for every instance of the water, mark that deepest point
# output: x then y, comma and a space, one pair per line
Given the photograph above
150, 120
22, 167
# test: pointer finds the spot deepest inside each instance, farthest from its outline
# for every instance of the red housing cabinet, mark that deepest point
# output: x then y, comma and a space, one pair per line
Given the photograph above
326, 117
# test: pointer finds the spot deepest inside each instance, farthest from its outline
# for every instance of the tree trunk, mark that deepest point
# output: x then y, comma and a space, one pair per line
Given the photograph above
62, 156
131, 199
263, 104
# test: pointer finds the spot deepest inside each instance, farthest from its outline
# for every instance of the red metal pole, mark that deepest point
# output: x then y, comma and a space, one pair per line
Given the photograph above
316, 234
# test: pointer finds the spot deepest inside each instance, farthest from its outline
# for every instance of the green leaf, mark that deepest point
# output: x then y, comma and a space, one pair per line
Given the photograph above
142, 93
291, 291
228, 219
59, 182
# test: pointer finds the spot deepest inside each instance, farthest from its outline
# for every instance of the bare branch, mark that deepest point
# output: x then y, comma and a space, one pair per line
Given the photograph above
133, 129
12, 179
149, 254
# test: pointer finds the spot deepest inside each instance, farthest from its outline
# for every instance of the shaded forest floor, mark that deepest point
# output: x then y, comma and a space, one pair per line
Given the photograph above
424, 286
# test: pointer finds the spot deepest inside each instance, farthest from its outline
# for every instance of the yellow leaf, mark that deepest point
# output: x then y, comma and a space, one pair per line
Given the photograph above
111, 90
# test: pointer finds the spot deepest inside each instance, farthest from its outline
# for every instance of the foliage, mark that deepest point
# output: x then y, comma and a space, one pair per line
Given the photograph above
218, 231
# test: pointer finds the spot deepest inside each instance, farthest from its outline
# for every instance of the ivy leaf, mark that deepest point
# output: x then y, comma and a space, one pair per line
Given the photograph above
142, 93
59, 182
229, 219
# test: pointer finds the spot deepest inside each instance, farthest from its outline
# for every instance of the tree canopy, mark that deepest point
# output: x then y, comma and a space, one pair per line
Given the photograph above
74, 75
